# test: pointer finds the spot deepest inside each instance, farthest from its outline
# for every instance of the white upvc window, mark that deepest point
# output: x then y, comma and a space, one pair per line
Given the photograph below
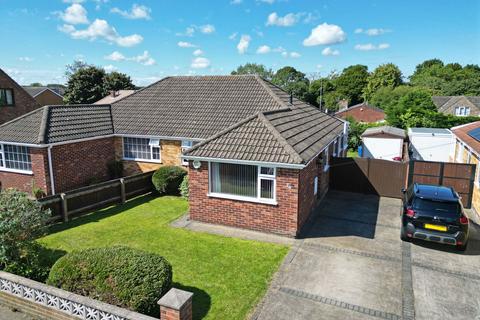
345, 141
462, 111
186, 145
335, 148
15, 158
326, 159
141, 149
315, 185
242, 182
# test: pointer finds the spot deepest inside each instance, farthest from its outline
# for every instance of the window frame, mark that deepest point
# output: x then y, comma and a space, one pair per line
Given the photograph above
152, 160
3, 162
13, 98
260, 177
462, 111
326, 159
185, 145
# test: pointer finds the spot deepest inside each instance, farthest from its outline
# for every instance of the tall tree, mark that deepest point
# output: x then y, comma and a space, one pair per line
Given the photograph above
84, 85
351, 83
293, 81
385, 75
114, 81
255, 69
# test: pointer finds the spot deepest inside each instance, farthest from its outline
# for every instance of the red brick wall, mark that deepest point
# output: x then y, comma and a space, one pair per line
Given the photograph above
23, 102
24, 182
280, 218
82, 163
362, 114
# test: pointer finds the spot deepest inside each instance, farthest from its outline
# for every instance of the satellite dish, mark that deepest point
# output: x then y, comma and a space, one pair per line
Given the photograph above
197, 164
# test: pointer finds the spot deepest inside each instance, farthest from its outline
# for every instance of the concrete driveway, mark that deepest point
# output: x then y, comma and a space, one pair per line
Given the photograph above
352, 265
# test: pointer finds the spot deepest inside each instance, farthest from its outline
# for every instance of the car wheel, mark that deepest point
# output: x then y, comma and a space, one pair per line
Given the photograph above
462, 247
403, 235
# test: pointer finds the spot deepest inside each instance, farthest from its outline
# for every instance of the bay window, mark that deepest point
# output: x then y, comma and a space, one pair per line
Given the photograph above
141, 149
15, 158
243, 182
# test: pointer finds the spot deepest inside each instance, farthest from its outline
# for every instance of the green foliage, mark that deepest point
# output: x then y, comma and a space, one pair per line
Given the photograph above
167, 179
121, 276
254, 68
88, 83
115, 81
22, 220
36, 84
351, 82
355, 131
386, 75
184, 189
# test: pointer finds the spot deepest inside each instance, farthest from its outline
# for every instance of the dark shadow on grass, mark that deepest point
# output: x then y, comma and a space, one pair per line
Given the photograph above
98, 215
201, 301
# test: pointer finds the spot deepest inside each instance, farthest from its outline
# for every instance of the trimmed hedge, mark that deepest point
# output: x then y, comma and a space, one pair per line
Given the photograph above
122, 276
167, 179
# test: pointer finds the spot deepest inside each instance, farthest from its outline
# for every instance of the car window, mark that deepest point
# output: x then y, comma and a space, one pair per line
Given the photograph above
446, 209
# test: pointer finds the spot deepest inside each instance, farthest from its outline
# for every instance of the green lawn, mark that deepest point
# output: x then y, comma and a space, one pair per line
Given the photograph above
227, 276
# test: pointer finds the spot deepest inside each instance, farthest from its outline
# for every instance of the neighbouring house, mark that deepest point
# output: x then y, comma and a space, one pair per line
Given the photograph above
362, 112
467, 150
45, 95
14, 100
431, 144
58, 148
458, 105
115, 96
383, 143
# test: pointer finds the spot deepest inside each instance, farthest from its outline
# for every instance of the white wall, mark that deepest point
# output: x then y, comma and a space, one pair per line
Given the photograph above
382, 148
432, 148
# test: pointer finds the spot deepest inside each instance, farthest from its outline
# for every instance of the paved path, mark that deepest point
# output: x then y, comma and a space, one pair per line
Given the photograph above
352, 265
8, 314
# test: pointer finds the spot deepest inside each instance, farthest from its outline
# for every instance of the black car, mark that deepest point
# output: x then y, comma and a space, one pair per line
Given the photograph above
434, 213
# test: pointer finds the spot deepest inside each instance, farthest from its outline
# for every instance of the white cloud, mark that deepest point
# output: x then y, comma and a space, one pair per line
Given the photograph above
279, 49
101, 29
325, 34
372, 31
294, 54
185, 44
266, 1
200, 63
110, 68
207, 29
75, 14
371, 47
243, 44
137, 12
286, 21
73, 1
115, 56
233, 36
25, 59
197, 52
330, 52
263, 49
319, 66
284, 53
236, 1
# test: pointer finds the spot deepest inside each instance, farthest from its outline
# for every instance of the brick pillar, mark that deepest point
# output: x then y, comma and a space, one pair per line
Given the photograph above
176, 305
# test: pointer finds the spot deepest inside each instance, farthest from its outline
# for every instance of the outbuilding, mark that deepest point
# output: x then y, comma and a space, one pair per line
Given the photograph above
383, 143
431, 144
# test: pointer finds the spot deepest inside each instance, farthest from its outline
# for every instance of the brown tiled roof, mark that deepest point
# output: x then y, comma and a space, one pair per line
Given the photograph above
194, 107
292, 135
35, 91
119, 94
52, 124
360, 105
462, 133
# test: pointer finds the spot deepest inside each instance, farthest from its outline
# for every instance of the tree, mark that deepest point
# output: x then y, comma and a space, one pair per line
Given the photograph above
385, 75
255, 69
351, 83
292, 81
387, 97
22, 220
85, 85
115, 81
36, 84
412, 110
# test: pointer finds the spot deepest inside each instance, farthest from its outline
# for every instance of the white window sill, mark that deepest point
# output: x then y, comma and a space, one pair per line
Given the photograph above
325, 169
17, 171
143, 160
240, 198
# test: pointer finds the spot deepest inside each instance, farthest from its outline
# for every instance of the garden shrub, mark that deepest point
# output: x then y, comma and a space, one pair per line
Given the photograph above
184, 189
22, 220
122, 276
167, 179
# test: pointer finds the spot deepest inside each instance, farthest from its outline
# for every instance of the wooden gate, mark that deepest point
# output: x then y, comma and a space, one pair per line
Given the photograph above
373, 176
459, 176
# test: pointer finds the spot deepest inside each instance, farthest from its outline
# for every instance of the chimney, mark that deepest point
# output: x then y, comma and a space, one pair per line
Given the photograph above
114, 93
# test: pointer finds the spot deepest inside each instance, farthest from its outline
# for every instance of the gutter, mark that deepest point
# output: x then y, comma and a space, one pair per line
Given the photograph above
249, 162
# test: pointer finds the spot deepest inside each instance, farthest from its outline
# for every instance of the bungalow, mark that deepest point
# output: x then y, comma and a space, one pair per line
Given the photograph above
233, 124
14, 100
458, 105
362, 112
45, 95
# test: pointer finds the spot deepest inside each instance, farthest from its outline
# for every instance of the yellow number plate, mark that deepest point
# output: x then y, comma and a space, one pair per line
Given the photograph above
435, 227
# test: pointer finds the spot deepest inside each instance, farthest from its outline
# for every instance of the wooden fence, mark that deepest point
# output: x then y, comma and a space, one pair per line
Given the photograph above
74, 203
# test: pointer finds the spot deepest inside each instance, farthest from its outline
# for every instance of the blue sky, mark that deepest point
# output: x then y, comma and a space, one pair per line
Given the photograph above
152, 39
